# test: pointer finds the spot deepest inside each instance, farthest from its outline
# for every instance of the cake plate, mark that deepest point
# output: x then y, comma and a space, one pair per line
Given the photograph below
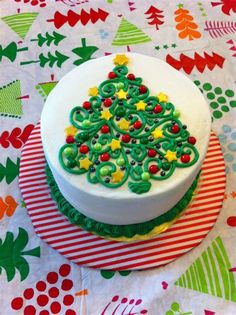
87, 249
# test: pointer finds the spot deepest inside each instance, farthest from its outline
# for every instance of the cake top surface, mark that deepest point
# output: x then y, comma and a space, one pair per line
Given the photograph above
125, 123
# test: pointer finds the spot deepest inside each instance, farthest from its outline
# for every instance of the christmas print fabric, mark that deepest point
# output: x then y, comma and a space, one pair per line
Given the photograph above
41, 41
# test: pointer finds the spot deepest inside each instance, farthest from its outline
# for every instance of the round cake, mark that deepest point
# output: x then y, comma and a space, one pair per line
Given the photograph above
124, 137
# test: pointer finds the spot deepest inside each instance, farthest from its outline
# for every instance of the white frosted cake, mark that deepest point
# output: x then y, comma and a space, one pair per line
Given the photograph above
124, 138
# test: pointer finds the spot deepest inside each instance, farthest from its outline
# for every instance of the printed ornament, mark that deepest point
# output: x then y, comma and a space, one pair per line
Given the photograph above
122, 133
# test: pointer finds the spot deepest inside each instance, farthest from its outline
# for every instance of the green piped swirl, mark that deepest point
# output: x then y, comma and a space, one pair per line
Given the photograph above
137, 160
115, 231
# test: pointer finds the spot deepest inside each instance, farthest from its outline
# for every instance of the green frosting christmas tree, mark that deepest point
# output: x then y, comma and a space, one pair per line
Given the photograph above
122, 132
129, 34
210, 273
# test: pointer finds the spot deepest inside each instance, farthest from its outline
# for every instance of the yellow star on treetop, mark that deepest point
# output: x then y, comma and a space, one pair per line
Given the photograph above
140, 105
93, 91
157, 133
171, 156
115, 144
70, 131
85, 163
162, 97
105, 114
120, 60
121, 94
117, 176
124, 124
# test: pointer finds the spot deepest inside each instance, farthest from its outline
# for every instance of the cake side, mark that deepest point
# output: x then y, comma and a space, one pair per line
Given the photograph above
120, 205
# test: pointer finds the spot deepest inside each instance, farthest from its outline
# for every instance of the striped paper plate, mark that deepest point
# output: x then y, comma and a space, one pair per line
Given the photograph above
84, 248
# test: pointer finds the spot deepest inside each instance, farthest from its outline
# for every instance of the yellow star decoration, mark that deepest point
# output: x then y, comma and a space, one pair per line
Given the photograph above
117, 176
105, 114
170, 156
115, 144
157, 133
124, 124
121, 94
140, 105
70, 131
162, 97
120, 60
85, 163
93, 91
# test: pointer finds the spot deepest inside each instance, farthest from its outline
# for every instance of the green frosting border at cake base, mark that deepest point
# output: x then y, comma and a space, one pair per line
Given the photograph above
115, 231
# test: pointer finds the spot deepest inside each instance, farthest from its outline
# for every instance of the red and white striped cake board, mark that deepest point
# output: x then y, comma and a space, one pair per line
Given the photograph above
84, 248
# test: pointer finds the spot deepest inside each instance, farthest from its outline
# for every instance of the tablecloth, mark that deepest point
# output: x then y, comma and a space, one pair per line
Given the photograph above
40, 41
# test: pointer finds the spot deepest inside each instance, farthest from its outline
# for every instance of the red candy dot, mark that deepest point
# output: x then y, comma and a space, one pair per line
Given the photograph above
17, 303
142, 89
185, 158
52, 277
64, 270
41, 286
44, 312
131, 76
55, 307
157, 109
126, 138
86, 105
70, 312
137, 124
231, 221
111, 75
28, 294
84, 149
66, 285
53, 292
30, 310
42, 300
68, 300
192, 140
152, 152
153, 169
105, 157
107, 102
175, 129
105, 129
70, 139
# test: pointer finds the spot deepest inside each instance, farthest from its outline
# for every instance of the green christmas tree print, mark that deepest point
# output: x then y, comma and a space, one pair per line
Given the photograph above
85, 52
175, 310
45, 88
210, 273
12, 252
20, 23
57, 59
129, 34
11, 100
55, 38
10, 171
10, 51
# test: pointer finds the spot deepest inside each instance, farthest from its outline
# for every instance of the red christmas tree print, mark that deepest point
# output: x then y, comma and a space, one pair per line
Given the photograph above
227, 6
155, 17
16, 137
54, 293
187, 63
72, 18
